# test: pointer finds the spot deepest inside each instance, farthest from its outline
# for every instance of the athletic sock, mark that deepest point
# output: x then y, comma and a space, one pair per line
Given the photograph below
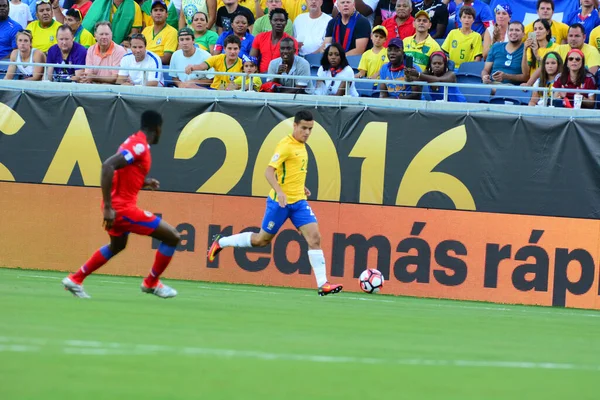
317, 262
239, 240
164, 254
98, 259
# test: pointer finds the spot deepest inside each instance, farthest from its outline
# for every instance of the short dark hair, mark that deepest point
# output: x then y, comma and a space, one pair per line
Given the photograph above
64, 28
287, 39
579, 26
279, 11
539, 3
151, 120
232, 39
138, 36
75, 13
467, 10
518, 23
303, 115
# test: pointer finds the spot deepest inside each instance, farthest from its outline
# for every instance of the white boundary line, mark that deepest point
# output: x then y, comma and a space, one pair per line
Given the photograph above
98, 348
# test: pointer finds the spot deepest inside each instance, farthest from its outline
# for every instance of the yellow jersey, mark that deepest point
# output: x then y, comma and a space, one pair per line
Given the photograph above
137, 18
84, 37
256, 83
595, 38
559, 31
372, 62
290, 162
218, 63
43, 38
249, 4
462, 48
592, 57
420, 52
295, 8
148, 21
533, 62
163, 42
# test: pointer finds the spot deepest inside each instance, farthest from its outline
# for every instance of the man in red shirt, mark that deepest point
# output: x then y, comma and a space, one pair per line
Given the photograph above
266, 45
123, 176
402, 24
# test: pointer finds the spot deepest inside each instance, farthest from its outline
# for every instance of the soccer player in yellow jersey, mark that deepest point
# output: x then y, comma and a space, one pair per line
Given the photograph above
286, 173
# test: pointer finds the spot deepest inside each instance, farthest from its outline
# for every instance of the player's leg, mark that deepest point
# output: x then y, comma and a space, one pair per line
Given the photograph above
274, 217
74, 282
304, 219
169, 239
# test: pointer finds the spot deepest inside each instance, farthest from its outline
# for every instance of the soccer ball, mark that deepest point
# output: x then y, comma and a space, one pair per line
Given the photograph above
371, 281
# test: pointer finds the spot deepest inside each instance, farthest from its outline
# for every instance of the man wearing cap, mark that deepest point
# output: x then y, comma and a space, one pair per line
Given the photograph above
105, 53
402, 24
289, 65
161, 37
420, 45
438, 15
349, 28
310, 27
82, 36
188, 54
372, 60
395, 70
504, 62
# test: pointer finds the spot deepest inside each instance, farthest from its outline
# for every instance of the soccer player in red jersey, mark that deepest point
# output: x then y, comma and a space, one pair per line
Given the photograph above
123, 176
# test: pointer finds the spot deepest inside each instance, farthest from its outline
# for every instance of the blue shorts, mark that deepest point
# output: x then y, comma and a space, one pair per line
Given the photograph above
300, 213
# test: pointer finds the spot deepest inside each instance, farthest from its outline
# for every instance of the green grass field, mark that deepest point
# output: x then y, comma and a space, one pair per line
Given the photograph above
217, 341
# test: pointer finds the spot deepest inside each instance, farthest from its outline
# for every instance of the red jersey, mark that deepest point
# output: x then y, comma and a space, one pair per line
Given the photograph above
128, 181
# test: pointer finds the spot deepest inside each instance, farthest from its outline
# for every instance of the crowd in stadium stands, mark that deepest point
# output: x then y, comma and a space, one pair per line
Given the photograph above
429, 41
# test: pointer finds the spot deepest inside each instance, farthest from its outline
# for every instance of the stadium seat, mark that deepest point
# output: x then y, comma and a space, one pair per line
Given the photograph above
314, 69
480, 94
512, 96
364, 89
354, 61
465, 77
313, 59
440, 41
474, 67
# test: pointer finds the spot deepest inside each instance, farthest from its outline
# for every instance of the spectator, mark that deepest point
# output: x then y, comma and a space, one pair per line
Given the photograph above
372, 60
385, 9
45, 28
421, 44
172, 16
463, 45
503, 64
483, 15
289, 65
66, 52
256, 7
335, 65
125, 16
267, 44
497, 33
595, 38
230, 9
576, 40
366, 8
396, 71
81, 35
25, 53
552, 66
587, 15
161, 38
438, 15
188, 54
249, 66
349, 28
105, 53
239, 29
535, 49
545, 10
126, 44
205, 38
263, 24
228, 62
310, 27
8, 31
20, 13
574, 75
59, 12
437, 71
189, 9
140, 57
402, 24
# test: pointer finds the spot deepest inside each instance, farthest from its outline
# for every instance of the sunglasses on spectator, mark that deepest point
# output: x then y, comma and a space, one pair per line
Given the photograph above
38, 2
574, 59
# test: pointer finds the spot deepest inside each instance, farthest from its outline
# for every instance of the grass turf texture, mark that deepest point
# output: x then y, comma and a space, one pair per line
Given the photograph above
244, 342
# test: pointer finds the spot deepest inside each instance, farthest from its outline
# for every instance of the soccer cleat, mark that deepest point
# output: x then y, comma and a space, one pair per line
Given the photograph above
160, 290
214, 248
329, 288
75, 289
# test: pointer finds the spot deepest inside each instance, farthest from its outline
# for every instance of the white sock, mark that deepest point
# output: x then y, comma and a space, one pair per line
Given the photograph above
239, 240
317, 262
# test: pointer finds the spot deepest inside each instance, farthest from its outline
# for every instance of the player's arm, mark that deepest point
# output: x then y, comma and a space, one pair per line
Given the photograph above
270, 175
109, 167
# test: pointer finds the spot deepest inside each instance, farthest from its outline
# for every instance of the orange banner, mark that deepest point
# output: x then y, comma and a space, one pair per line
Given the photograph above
462, 255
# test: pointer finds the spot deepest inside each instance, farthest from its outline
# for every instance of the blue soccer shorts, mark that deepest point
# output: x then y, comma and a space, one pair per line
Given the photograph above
299, 212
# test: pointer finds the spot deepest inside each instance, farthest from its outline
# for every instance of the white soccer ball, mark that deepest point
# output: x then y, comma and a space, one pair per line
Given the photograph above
371, 281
